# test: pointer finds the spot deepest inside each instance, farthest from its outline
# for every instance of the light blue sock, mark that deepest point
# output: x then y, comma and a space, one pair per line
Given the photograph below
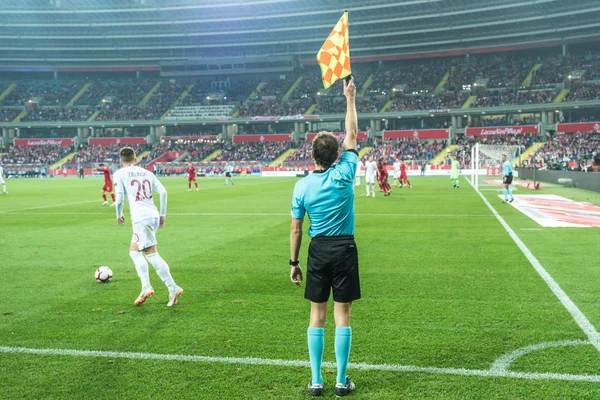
343, 340
510, 193
505, 191
316, 344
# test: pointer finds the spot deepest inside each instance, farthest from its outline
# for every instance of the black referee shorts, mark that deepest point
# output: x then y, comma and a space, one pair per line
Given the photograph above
332, 265
508, 179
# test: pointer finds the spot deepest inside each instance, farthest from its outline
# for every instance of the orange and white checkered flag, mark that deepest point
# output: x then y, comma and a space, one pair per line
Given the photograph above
334, 56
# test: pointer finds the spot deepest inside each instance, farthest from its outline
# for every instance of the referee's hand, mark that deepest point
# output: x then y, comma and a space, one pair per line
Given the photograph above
296, 275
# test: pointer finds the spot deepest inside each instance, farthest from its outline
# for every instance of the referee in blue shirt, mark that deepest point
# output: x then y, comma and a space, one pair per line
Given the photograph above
327, 195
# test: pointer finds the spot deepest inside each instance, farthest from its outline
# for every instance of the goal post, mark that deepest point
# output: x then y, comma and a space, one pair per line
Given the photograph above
488, 157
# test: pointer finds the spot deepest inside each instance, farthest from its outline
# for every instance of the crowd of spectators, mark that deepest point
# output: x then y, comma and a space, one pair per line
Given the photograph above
9, 114
428, 101
264, 152
405, 149
273, 108
408, 83
88, 155
39, 155
569, 147
59, 114
584, 91
337, 105
413, 76
495, 98
47, 93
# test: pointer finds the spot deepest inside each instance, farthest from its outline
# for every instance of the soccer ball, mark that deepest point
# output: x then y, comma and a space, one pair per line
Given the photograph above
447, 150
103, 274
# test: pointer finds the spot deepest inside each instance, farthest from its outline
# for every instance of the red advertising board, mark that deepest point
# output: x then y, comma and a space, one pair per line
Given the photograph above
502, 130
583, 127
192, 137
44, 142
262, 138
422, 134
113, 141
360, 136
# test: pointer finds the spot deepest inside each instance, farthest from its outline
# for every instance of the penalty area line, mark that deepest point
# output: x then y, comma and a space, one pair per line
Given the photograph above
299, 363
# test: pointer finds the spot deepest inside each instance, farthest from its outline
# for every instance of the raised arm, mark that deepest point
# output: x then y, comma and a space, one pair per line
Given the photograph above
351, 118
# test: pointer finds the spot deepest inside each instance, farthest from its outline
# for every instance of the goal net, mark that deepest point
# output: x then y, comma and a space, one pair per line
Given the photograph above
486, 164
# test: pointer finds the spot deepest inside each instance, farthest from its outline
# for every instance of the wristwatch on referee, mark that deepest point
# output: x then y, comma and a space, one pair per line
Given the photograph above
294, 263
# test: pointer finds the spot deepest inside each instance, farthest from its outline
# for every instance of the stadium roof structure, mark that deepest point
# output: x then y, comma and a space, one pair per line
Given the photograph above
70, 33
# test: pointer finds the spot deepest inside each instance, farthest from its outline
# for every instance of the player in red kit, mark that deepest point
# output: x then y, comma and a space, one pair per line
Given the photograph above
382, 176
108, 184
403, 177
191, 171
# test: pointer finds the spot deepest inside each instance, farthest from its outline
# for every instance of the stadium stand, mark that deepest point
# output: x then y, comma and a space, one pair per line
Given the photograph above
38, 155
199, 112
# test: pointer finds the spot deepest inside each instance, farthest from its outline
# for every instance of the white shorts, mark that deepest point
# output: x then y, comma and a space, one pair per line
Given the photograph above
2, 181
370, 178
144, 233
396, 175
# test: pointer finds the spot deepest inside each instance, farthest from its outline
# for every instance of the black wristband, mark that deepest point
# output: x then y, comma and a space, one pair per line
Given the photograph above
294, 263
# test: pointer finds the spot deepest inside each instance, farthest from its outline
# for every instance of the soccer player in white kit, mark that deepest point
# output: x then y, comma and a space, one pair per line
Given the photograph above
359, 168
2, 180
396, 167
370, 176
137, 185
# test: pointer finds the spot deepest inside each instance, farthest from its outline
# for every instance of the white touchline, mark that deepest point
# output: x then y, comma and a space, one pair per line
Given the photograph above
578, 316
263, 214
304, 364
47, 206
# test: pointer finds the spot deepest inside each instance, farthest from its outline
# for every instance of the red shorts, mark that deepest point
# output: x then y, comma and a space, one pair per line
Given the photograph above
403, 177
191, 178
383, 178
107, 187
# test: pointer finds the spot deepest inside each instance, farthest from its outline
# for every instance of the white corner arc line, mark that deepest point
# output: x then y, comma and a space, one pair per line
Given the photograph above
566, 301
299, 363
503, 363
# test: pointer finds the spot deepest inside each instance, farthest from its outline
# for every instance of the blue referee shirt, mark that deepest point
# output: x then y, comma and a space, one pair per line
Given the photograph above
328, 198
506, 168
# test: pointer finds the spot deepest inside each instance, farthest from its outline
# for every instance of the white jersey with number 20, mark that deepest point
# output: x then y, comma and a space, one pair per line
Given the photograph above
137, 185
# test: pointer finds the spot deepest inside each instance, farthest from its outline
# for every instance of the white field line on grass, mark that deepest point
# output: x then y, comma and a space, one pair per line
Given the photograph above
575, 312
14, 211
502, 363
261, 214
303, 364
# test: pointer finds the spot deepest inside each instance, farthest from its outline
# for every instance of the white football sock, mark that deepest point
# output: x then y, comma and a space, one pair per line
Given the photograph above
141, 267
162, 270
4, 187
368, 191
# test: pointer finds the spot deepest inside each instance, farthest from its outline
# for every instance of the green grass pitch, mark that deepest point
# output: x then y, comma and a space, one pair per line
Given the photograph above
444, 289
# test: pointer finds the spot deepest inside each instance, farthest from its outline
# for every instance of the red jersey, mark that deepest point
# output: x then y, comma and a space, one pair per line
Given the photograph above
382, 169
191, 171
106, 171
403, 169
